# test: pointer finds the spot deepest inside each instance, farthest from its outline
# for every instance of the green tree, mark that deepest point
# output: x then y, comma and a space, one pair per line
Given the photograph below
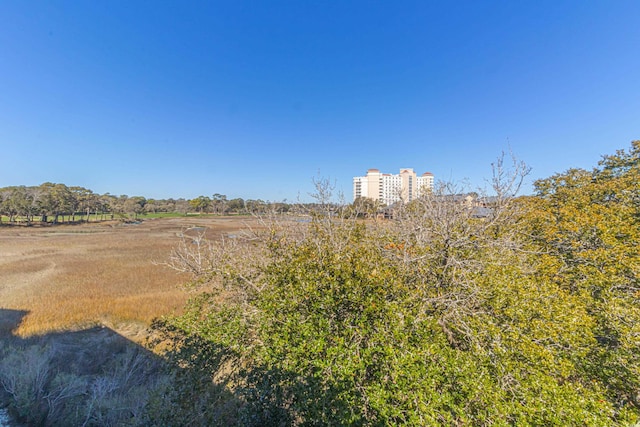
200, 204
134, 206
256, 206
236, 205
20, 201
219, 203
363, 207
435, 318
85, 201
586, 228
56, 200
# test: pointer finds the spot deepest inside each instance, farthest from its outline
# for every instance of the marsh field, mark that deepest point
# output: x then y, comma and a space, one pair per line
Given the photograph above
71, 277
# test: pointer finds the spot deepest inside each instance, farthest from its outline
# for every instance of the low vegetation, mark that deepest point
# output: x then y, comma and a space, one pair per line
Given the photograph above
89, 378
60, 287
526, 316
71, 277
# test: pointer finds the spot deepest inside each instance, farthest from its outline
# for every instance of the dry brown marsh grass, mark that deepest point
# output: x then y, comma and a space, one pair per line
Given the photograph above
71, 277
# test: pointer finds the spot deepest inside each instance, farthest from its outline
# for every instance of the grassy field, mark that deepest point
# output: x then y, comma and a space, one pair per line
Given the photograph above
71, 277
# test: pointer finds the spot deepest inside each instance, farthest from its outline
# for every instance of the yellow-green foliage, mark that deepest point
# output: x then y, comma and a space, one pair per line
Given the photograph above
587, 227
526, 317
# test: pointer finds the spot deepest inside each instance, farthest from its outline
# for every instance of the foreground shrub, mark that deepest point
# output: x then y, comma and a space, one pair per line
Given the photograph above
89, 378
435, 318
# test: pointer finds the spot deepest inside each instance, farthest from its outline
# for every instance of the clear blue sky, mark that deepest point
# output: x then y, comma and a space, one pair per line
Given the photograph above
253, 99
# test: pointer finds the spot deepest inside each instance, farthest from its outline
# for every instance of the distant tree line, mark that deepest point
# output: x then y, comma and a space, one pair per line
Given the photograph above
58, 203
219, 204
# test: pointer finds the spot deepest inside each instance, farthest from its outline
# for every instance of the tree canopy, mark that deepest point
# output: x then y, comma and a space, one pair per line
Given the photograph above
526, 316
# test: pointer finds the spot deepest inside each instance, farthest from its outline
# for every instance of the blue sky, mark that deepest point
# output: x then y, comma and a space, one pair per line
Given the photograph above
255, 99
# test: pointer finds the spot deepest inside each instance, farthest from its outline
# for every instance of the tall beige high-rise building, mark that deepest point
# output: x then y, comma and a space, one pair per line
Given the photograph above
388, 188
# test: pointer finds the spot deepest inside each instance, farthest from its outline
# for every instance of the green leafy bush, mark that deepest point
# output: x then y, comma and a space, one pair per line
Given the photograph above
436, 317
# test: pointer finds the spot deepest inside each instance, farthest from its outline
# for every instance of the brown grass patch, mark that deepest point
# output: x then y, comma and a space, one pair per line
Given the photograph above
71, 277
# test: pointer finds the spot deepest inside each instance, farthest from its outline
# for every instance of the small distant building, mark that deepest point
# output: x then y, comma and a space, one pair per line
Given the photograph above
389, 189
